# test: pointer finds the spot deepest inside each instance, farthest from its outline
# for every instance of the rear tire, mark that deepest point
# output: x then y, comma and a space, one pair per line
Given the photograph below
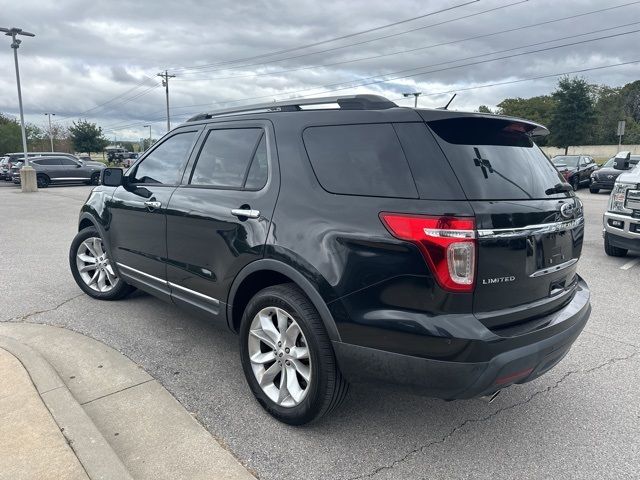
594, 190
42, 180
325, 389
611, 250
91, 267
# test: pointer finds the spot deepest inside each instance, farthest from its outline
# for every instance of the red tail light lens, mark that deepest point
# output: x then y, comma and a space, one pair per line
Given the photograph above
448, 244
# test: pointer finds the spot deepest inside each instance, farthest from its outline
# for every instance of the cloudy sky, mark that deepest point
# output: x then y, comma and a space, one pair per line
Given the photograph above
98, 60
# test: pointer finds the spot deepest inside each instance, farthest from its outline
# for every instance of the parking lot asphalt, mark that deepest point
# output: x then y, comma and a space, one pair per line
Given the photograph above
581, 420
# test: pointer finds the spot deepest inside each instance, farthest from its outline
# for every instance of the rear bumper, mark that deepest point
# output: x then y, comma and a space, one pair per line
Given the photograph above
515, 359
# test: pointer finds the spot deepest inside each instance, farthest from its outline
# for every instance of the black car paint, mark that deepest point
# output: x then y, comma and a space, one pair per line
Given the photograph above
605, 177
378, 299
580, 172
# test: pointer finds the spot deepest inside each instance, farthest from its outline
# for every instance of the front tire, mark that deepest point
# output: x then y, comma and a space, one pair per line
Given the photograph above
92, 269
575, 183
287, 356
594, 190
95, 179
611, 250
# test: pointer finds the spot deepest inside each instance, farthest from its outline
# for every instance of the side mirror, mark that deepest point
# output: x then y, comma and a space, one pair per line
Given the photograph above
112, 177
621, 161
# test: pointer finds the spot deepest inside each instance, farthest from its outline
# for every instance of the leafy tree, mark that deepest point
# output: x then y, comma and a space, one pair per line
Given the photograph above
573, 119
87, 137
146, 144
484, 109
537, 109
10, 135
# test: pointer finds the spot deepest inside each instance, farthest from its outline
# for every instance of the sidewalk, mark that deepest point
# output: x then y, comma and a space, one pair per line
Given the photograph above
73, 408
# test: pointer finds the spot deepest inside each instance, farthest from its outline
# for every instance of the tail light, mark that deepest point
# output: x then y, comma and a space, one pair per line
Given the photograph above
448, 244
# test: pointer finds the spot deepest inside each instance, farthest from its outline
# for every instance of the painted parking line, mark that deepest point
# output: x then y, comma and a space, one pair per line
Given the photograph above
630, 264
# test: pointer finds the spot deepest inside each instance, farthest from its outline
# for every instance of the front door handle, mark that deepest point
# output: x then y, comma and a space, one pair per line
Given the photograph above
247, 213
152, 204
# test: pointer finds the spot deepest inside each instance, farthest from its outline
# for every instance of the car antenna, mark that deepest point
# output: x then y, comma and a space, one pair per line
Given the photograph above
446, 107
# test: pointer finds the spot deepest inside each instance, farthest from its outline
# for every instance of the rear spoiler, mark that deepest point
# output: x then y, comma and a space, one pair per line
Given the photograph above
518, 124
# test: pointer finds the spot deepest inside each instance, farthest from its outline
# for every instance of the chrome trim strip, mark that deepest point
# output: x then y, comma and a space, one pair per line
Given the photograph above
556, 268
126, 267
193, 292
531, 229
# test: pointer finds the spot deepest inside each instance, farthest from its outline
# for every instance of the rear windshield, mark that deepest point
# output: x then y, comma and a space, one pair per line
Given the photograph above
568, 161
495, 159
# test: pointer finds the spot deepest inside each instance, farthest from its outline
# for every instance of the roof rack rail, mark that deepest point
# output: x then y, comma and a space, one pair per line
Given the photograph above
347, 102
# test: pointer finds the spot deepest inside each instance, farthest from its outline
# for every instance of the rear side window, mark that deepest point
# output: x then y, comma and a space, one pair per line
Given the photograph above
360, 160
226, 158
495, 159
47, 161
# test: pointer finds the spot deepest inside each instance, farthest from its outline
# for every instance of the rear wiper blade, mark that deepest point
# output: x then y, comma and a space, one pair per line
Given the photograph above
558, 188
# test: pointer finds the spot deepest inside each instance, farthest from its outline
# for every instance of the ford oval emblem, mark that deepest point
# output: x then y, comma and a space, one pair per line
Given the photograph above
566, 210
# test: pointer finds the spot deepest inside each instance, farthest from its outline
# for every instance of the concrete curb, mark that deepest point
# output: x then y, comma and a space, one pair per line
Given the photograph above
92, 450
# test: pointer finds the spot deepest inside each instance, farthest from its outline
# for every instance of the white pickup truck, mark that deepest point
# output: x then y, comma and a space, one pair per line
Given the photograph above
621, 225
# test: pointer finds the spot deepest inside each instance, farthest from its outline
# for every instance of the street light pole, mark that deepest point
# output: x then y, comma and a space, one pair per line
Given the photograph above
50, 131
27, 174
149, 146
415, 95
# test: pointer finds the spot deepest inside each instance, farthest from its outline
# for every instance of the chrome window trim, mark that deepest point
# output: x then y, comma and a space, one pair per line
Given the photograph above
530, 229
556, 268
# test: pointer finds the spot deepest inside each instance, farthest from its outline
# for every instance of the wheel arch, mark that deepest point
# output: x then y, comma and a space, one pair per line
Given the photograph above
267, 272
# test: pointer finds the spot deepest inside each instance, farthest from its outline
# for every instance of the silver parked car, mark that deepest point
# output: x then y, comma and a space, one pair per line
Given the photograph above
60, 169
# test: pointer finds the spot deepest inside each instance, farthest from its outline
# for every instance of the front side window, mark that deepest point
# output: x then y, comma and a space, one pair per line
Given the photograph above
227, 156
68, 162
165, 163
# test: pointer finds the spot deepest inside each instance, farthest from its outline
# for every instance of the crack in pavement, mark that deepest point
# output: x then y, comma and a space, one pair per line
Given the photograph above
22, 318
454, 430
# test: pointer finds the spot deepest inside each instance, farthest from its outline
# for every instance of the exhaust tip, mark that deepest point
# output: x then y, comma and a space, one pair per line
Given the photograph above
492, 397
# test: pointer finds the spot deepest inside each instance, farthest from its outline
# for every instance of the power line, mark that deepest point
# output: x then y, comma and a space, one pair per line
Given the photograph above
207, 66
335, 39
135, 87
473, 87
327, 88
416, 49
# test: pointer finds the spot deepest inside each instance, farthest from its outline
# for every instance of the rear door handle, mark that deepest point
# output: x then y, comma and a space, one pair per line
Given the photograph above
242, 212
152, 204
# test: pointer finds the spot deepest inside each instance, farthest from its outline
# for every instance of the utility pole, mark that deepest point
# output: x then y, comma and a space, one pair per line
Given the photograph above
50, 131
165, 83
149, 146
27, 173
415, 95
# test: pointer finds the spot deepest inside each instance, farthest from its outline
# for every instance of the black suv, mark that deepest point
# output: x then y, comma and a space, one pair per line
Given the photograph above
348, 239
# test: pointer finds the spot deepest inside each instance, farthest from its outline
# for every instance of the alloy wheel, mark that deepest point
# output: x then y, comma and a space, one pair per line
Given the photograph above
94, 266
279, 356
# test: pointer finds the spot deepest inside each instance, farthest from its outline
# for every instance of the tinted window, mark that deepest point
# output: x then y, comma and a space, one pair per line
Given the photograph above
225, 157
259, 170
165, 163
431, 171
67, 161
565, 160
47, 161
495, 159
360, 160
